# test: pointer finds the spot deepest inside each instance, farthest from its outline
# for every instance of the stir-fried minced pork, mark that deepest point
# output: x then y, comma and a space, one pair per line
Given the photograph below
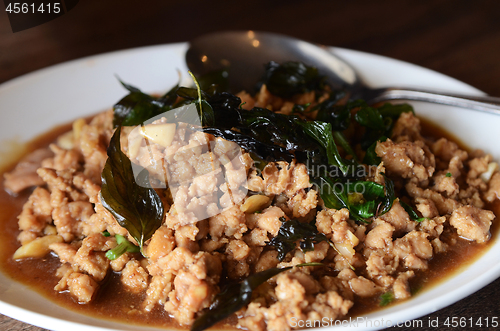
214, 231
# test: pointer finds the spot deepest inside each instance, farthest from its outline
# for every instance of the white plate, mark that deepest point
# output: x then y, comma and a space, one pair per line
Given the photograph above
34, 103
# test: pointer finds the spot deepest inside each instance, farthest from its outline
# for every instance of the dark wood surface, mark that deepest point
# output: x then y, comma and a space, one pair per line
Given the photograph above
460, 38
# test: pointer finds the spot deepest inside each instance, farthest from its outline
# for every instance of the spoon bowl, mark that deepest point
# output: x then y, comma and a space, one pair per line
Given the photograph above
245, 53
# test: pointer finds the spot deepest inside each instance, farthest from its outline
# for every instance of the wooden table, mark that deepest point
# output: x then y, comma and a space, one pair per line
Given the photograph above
459, 38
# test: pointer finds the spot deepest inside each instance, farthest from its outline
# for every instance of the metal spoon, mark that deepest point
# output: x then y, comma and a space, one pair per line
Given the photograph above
244, 54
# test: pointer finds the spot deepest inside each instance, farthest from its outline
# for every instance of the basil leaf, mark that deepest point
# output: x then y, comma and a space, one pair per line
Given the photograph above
137, 208
135, 109
370, 118
293, 231
266, 152
371, 156
170, 97
394, 111
322, 133
412, 213
337, 115
340, 139
129, 87
363, 199
235, 296
215, 81
389, 198
378, 123
291, 78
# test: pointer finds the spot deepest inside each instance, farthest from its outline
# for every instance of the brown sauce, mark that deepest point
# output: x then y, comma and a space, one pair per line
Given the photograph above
115, 303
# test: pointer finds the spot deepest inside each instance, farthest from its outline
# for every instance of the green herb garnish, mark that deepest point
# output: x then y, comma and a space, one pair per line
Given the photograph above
293, 231
448, 174
412, 213
378, 123
386, 299
291, 78
363, 199
137, 107
123, 246
235, 296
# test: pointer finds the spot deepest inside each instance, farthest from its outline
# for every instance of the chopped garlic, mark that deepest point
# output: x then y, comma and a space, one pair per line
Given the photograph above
345, 249
66, 140
37, 248
255, 203
492, 167
161, 134
77, 127
352, 238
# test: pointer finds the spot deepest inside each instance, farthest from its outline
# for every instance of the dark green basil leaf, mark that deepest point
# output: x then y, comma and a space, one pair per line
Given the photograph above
389, 198
135, 109
291, 78
370, 118
339, 116
137, 208
206, 113
170, 97
129, 87
394, 111
215, 81
266, 152
322, 133
412, 213
293, 231
340, 139
370, 190
378, 123
339, 193
235, 296
188, 93
371, 156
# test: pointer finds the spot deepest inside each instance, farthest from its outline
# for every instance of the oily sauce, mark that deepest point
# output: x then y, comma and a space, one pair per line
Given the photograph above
115, 303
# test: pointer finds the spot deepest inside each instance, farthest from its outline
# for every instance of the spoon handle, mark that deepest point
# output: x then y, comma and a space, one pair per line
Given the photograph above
481, 103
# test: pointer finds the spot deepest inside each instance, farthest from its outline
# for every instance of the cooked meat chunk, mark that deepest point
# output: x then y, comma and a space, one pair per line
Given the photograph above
69, 217
414, 248
90, 256
472, 223
364, 287
494, 188
63, 159
407, 159
268, 220
36, 215
134, 277
24, 174
406, 128
82, 286
380, 236
157, 292
399, 219
401, 287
